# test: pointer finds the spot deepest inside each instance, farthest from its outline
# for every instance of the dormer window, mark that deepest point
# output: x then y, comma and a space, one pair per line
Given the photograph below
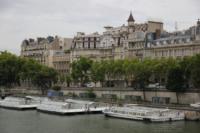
157, 43
188, 40
180, 41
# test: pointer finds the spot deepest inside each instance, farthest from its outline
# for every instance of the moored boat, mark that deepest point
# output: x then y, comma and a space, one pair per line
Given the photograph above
0, 102
192, 115
58, 107
125, 112
195, 105
176, 115
91, 107
144, 113
19, 103
69, 107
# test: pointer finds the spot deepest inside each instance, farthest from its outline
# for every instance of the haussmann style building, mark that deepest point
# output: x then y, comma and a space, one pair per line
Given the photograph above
133, 40
51, 51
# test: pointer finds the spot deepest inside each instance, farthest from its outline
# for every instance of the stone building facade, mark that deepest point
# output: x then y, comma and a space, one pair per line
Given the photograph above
126, 41
51, 51
144, 40
35, 49
84, 45
176, 45
134, 40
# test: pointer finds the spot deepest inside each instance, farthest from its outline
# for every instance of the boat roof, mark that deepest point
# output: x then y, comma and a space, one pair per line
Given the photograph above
14, 99
49, 102
138, 109
78, 101
35, 97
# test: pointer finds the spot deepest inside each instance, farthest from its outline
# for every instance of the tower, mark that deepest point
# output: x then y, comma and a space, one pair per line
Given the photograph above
198, 22
198, 30
176, 26
131, 20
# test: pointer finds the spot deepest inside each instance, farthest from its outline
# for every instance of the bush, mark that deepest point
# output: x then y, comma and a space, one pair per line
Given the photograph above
72, 94
91, 94
56, 88
175, 80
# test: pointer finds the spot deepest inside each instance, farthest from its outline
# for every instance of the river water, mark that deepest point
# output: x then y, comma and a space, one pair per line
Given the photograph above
12, 121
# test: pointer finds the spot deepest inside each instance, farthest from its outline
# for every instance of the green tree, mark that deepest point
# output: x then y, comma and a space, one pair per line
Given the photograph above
91, 94
44, 78
186, 66
40, 76
129, 68
10, 68
56, 88
97, 72
143, 72
68, 80
108, 66
118, 72
175, 80
81, 69
159, 71
195, 71
61, 78
29, 69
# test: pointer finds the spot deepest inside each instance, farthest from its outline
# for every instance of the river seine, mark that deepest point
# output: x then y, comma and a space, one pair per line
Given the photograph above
12, 121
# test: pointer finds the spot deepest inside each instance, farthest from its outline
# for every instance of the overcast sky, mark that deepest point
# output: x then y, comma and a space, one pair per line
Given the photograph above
20, 19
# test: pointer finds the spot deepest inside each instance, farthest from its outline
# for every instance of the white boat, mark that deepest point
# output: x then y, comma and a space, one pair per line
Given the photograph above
192, 115
0, 101
130, 105
157, 118
37, 98
134, 113
58, 107
18, 103
144, 113
91, 107
69, 107
176, 115
196, 105
124, 112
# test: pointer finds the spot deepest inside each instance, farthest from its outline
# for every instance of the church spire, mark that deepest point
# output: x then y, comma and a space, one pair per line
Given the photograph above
131, 19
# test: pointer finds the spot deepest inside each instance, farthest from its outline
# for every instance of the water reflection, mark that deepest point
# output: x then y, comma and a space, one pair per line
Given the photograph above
34, 122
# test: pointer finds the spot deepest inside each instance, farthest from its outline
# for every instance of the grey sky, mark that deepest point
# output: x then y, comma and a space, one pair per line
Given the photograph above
20, 19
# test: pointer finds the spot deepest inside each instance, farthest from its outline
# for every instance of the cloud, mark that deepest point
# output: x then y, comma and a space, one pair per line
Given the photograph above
20, 19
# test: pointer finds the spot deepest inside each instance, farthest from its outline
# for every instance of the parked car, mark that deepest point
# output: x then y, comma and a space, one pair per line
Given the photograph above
196, 105
156, 86
89, 85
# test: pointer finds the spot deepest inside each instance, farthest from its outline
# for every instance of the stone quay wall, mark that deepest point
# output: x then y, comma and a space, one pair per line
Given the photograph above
188, 97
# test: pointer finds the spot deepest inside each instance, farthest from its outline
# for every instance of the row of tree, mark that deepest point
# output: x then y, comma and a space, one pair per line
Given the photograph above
174, 74
14, 69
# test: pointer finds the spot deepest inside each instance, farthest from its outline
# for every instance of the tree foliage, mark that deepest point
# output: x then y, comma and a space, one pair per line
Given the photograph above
14, 69
56, 88
80, 70
195, 71
175, 74
175, 79
97, 72
10, 68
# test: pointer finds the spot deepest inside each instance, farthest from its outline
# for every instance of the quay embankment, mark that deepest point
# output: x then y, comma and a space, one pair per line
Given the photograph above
129, 94
177, 101
184, 99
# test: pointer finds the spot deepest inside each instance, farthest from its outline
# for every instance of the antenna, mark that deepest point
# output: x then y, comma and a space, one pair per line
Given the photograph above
176, 26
